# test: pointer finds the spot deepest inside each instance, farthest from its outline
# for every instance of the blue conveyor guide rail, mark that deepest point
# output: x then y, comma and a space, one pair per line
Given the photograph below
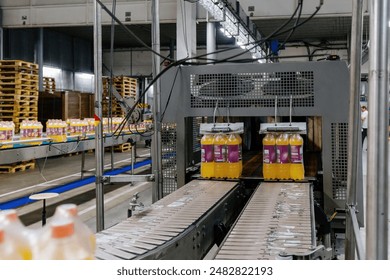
179, 226
277, 221
25, 151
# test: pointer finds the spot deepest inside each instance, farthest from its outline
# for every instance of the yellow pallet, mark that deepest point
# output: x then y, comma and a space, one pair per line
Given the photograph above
15, 167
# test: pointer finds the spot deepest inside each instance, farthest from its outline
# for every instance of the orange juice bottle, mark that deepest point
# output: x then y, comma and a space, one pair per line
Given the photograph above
234, 158
207, 156
21, 236
282, 156
269, 157
297, 170
82, 231
63, 243
220, 163
7, 247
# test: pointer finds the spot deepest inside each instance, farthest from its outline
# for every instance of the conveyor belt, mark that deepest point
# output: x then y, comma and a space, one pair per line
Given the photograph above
278, 218
175, 227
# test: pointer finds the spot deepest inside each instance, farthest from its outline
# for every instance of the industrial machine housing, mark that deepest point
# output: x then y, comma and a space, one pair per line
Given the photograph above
319, 92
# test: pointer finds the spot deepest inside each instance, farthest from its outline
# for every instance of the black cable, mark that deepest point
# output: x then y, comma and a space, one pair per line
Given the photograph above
275, 34
129, 31
294, 27
184, 61
128, 115
256, 42
111, 66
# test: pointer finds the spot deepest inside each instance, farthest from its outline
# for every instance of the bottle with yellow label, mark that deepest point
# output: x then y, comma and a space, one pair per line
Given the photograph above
234, 156
63, 243
282, 156
269, 157
207, 156
19, 235
220, 163
297, 170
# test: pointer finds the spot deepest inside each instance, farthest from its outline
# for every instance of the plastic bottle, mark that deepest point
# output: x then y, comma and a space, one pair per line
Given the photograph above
7, 247
207, 156
63, 243
297, 170
82, 231
269, 157
220, 163
282, 157
19, 235
234, 157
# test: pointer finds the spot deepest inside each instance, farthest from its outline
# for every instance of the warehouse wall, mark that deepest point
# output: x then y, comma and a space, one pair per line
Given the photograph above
69, 54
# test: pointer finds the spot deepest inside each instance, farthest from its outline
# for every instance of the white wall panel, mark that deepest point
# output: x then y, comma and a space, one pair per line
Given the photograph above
14, 3
56, 2
79, 12
284, 8
14, 17
74, 15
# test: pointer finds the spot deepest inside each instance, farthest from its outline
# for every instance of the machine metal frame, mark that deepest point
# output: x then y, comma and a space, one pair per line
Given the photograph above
317, 88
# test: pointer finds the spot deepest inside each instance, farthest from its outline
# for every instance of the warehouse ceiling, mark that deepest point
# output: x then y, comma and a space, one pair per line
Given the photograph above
320, 29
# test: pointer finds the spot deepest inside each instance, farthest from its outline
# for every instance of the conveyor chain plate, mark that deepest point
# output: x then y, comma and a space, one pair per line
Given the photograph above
278, 218
162, 222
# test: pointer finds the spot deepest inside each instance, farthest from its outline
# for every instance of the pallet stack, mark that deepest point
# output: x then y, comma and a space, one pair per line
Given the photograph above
125, 86
49, 85
18, 91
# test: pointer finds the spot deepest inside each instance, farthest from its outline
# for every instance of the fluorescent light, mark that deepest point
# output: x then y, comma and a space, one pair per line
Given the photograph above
52, 72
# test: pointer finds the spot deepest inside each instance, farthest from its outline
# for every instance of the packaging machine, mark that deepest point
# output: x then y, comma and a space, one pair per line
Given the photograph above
280, 219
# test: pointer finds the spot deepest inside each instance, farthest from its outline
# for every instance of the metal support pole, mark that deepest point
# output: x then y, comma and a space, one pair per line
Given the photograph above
132, 158
97, 35
1, 43
39, 57
354, 122
156, 138
211, 41
377, 154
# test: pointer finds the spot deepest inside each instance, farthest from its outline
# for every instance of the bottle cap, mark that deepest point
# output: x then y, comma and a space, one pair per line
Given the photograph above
69, 208
10, 215
62, 230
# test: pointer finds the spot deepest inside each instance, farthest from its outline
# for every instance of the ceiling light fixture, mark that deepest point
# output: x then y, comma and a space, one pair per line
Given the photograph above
235, 23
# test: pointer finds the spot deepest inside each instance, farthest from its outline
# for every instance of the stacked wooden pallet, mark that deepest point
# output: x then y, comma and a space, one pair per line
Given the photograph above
18, 166
49, 85
18, 91
125, 86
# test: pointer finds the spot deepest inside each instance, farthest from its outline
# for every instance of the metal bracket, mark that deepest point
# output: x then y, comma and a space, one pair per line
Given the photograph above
319, 253
127, 178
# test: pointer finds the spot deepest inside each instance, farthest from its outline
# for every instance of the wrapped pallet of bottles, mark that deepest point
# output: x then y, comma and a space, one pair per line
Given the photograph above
283, 157
7, 131
221, 155
65, 237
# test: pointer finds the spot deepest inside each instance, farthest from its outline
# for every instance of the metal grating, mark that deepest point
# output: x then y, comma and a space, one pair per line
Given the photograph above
168, 147
252, 89
339, 160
